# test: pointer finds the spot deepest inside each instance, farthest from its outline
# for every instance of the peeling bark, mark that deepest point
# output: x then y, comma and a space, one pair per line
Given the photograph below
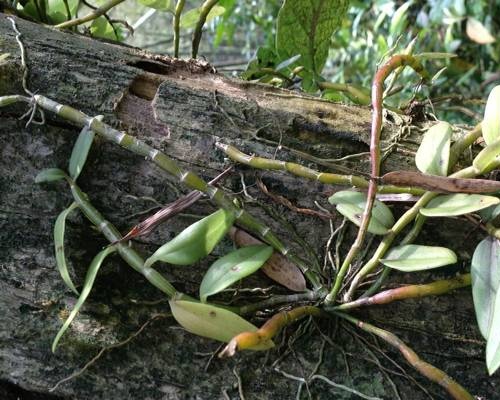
183, 108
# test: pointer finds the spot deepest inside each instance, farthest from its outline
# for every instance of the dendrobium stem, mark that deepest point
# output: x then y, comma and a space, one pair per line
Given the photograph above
188, 178
409, 292
377, 98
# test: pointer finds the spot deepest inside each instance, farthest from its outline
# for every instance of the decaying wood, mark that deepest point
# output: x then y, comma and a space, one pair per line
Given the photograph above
184, 108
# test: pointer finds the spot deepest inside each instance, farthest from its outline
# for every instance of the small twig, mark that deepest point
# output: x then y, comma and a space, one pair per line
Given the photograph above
204, 10
177, 21
94, 14
105, 349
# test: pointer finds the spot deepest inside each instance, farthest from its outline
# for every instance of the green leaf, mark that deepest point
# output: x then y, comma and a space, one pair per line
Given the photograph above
87, 287
233, 267
57, 10
305, 27
485, 276
434, 151
493, 344
412, 257
487, 158
191, 17
212, 322
352, 205
491, 121
81, 150
101, 28
50, 175
490, 213
194, 242
457, 204
399, 19
59, 230
163, 5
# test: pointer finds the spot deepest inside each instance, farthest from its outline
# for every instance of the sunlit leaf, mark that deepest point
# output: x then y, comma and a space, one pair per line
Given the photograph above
87, 287
50, 175
412, 257
399, 19
305, 27
163, 5
352, 205
485, 275
59, 230
194, 242
191, 17
487, 158
212, 322
233, 267
80, 151
478, 32
457, 204
491, 121
434, 151
57, 10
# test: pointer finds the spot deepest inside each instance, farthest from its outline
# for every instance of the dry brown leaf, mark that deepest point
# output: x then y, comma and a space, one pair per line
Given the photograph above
278, 267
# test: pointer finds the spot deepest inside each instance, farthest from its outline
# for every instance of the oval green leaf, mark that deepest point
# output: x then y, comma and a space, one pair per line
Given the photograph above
87, 287
212, 322
412, 257
485, 275
195, 242
191, 17
305, 27
491, 121
490, 213
434, 151
59, 229
352, 205
81, 151
50, 175
457, 204
487, 158
233, 267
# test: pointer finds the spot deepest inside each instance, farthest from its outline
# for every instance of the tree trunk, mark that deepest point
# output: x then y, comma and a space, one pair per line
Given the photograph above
183, 108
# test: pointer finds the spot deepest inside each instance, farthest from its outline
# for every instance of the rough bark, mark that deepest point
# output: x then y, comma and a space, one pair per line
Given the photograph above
183, 108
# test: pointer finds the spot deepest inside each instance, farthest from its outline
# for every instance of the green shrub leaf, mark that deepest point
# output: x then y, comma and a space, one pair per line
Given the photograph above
194, 242
50, 175
87, 287
412, 257
233, 267
434, 151
191, 17
59, 229
80, 151
352, 204
491, 121
305, 27
457, 204
212, 322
